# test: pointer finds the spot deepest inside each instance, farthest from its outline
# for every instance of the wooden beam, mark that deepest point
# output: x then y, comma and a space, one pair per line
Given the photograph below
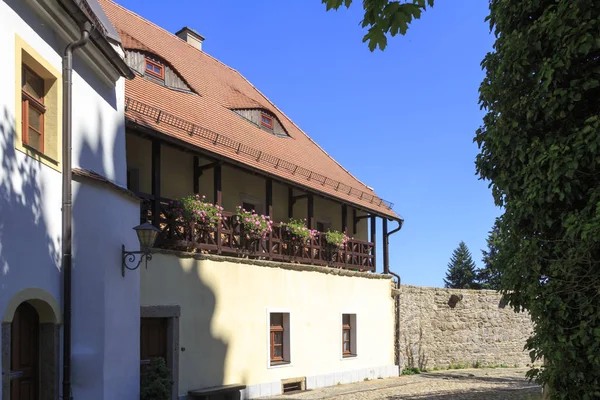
217, 197
300, 196
196, 175
311, 211
386, 253
269, 197
345, 218
156, 182
199, 169
374, 240
290, 202
354, 221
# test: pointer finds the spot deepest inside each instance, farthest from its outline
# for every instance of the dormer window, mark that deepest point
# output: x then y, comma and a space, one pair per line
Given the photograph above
155, 69
266, 121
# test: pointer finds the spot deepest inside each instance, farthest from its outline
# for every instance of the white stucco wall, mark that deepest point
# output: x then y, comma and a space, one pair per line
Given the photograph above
224, 325
105, 359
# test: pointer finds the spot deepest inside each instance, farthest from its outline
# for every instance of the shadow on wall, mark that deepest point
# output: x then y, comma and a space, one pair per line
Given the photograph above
29, 251
202, 353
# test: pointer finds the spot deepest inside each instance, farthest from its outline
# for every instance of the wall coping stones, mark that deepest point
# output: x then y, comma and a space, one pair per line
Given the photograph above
274, 264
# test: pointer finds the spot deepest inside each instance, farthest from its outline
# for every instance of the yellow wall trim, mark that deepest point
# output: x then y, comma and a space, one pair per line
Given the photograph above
25, 54
45, 304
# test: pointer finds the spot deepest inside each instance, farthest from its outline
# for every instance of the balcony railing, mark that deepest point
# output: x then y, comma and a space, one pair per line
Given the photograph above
279, 245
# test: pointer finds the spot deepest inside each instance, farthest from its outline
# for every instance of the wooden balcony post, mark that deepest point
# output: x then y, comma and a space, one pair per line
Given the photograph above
156, 183
269, 197
345, 218
354, 221
196, 175
386, 254
310, 200
374, 240
311, 211
269, 212
290, 202
218, 200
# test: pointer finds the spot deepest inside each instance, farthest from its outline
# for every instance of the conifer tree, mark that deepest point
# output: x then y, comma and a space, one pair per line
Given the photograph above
461, 269
156, 381
488, 277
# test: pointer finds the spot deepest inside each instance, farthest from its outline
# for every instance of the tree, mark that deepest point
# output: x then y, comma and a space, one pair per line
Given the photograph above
488, 277
539, 148
384, 17
156, 381
461, 269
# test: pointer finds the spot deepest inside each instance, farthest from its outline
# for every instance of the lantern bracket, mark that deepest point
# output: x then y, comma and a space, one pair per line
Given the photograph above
129, 259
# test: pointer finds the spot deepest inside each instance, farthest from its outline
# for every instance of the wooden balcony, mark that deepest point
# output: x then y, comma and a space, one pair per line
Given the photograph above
226, 239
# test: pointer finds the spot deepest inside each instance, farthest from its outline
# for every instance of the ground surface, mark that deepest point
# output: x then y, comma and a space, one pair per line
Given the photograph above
466, 384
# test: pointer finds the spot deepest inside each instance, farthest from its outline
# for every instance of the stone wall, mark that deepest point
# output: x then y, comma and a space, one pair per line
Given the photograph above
444, 327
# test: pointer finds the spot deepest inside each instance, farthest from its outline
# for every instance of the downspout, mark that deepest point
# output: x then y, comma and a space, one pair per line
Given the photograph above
386, 268
67, 211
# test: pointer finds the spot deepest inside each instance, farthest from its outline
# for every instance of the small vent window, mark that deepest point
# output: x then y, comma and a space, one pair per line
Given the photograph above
155, 69
266, 121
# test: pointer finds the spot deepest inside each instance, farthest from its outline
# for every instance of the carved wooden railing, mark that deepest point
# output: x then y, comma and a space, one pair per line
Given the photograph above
279, 245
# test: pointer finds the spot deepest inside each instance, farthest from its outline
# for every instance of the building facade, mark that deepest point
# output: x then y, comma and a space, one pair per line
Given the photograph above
156, 119
104, 353
274, 313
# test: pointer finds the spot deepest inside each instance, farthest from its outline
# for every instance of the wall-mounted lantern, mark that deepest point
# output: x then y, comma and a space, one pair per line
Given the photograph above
147, 234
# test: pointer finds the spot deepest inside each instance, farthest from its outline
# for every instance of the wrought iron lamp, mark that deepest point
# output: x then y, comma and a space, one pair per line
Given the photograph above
147, 234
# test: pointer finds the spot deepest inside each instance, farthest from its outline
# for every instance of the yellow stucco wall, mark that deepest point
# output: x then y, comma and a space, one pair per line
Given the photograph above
223, 323
237, 186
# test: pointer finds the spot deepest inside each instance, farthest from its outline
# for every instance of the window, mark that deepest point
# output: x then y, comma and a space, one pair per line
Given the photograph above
37, 107
279, 338
323, 226
348, 335
155, 69
266, 121
248, 206
33, 109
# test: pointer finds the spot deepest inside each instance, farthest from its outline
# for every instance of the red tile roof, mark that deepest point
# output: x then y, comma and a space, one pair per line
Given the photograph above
221, 89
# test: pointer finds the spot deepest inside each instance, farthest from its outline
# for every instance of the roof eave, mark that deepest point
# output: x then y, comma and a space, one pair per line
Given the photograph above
102, 41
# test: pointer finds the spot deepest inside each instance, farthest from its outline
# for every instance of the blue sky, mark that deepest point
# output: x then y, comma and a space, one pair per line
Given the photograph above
401, 120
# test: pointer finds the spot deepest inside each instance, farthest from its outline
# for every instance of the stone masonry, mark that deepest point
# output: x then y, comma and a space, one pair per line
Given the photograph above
467, 328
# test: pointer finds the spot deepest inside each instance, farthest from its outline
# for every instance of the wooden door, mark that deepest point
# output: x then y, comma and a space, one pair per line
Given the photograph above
153, 340
24, 354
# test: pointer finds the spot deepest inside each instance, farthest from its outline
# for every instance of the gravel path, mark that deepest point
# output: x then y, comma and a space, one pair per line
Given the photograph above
466, 384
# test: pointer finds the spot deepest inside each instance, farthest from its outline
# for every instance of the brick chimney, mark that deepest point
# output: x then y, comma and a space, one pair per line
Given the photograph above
191, 36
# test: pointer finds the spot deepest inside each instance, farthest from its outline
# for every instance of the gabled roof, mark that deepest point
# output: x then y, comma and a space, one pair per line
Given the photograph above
197, 119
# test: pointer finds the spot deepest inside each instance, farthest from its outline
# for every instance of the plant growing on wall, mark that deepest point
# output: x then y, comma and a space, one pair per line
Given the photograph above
195, 208
336, 239
300, 233
156, 381
253, 225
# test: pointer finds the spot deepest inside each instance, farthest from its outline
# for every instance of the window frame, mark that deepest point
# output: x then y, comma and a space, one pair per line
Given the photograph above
155, 64
28, 100
286, 346
270, 118
352, 328
274, 329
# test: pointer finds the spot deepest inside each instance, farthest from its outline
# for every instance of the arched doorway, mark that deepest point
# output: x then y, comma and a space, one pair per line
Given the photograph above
30, 346
24, 353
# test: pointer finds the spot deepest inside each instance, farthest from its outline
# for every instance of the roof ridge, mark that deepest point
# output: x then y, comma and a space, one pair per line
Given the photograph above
147, 21
304, 133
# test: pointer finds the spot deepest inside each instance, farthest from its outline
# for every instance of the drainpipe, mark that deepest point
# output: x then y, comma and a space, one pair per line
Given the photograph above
386, 269
67, 211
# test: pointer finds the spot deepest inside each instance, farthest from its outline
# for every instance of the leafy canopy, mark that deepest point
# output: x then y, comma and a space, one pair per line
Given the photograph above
539, 148
384, 17
461, 269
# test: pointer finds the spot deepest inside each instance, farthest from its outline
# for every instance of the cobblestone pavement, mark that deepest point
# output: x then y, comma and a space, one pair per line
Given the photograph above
467, 384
